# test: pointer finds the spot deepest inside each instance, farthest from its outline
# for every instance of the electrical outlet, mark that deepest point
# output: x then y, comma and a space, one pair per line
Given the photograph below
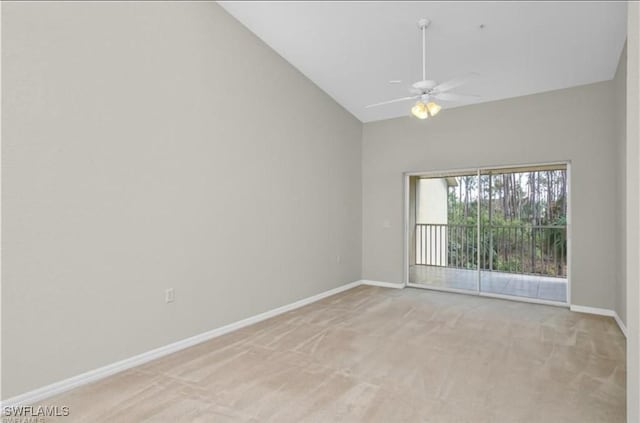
169, 295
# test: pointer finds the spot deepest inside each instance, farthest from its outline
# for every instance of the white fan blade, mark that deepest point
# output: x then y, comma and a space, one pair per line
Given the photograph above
453, 83
455, 97
413, 97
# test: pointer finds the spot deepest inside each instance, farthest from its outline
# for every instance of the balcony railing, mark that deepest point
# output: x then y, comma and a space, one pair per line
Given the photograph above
537, 250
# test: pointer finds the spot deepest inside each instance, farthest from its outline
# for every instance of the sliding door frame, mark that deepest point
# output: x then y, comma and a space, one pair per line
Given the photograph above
478, 170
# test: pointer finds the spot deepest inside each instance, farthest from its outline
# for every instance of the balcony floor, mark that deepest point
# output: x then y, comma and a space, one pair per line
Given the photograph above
530, 286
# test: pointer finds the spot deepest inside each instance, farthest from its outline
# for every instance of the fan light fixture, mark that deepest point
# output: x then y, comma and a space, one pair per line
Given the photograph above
426, 91
423, 110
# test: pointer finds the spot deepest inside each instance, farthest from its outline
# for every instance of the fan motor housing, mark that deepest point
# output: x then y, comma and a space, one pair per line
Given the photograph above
424, 85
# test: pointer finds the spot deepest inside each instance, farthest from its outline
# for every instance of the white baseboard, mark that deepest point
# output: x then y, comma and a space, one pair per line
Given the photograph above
382, 284
601, 312
593, 310
39, 394
621, 324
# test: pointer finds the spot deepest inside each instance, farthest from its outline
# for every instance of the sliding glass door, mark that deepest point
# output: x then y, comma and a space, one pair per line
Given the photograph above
499, 232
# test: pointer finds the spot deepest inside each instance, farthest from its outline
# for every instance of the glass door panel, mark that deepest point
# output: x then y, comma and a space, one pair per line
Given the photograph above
523, 232
444, 234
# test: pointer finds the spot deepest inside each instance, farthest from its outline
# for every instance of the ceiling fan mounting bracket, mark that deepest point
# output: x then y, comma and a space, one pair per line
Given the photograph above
424, 23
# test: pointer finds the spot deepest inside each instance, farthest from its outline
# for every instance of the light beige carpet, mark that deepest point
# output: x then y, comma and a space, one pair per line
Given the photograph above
381, 355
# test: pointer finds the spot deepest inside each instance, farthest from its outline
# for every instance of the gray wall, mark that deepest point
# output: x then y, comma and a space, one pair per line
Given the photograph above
141, 151
575, 124
620, 116
633, 212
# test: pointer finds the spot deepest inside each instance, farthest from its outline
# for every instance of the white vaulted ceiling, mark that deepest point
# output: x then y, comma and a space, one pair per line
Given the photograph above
353, 49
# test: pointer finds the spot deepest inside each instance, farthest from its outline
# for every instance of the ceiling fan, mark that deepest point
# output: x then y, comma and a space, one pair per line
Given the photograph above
426, 91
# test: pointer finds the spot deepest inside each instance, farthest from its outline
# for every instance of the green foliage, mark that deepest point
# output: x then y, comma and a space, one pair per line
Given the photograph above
525, 230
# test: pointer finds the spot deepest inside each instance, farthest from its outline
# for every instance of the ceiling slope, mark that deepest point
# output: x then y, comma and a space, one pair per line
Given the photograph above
353, 49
